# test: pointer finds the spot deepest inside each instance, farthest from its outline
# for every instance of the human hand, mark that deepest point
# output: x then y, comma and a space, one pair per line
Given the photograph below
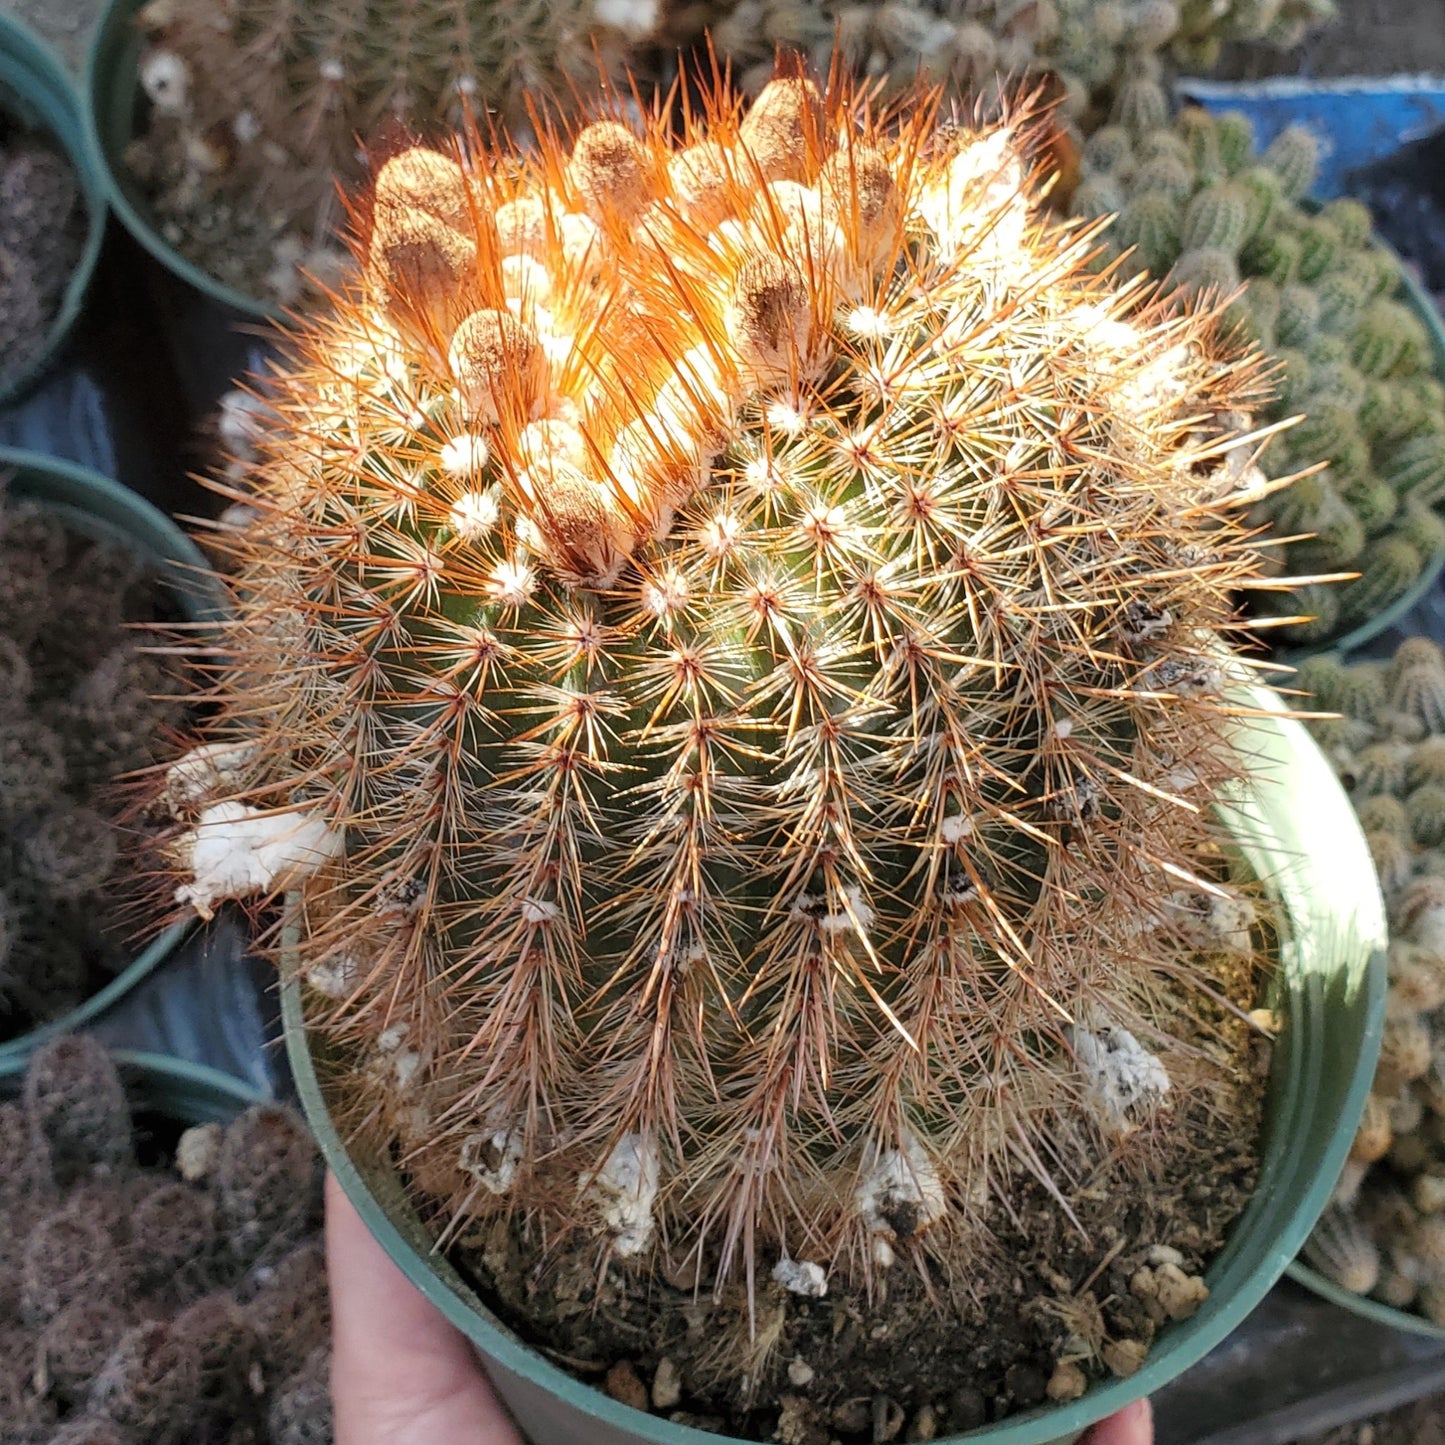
400, 1374
1133, 1425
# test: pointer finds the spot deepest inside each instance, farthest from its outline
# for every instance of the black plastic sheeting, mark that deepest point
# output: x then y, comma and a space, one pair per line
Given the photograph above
133, 396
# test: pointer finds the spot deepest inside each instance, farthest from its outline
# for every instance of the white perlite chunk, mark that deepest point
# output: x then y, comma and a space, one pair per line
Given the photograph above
235, 851
1125, 1081
625, 1190
205, 773
899, 1196
197, 1152
492, 1159
801, 1276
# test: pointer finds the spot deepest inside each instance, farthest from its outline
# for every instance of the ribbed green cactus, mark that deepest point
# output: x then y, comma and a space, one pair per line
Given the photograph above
1388, 568
1417, 468
1169, 176
1299, 315
1150, 223
1294, 156
1217, 217
1320, 245
1383, 336
678, 757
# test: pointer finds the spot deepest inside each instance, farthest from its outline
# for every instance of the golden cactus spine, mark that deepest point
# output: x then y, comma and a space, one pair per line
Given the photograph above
729, 665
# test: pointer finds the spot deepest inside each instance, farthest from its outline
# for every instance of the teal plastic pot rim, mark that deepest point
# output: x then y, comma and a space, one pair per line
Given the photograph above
1295, 1180
98, 506
32, 74
196, 1093
1420, 303
1370, 1309
108, 105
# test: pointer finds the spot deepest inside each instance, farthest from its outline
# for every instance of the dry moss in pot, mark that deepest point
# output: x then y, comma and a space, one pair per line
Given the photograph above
221, 133
742, 626
161, 1268
88, 571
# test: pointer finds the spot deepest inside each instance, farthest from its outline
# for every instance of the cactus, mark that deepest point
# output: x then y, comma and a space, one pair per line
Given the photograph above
1108, 151
70, 852
1217, 217
1261, 188
1207, 271
250, 119
1294, 155
267, 1183
77, 1340
300, 1412
77, 1108
1343, 1251
1272, 254
174, 1234
1097, 196
669, 540
1142, 105
1299, 315
1166, 175
1151, 224
68, 1256
1384, 814
1329, 433
1316, 605
150, 1385
1200, 135
1389, 567
1342, 297
1416, 683
1380, 768
1422, 527
1351, 219
1335, 383
1417, 468
1372, 499
290, 1310
1320, 248
1236, 140
1383, 336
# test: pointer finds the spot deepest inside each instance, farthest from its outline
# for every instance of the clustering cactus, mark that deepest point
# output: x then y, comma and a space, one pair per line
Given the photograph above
1384, 1234
81, 703
727, 628
255, 109
142, 1313
1323, 300
42, 231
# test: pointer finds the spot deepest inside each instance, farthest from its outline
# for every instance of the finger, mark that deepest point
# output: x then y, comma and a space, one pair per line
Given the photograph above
1133, 1425
400, 1374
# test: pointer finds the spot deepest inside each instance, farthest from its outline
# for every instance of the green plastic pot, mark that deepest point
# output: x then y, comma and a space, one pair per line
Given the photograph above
1296, 833
175, 1088
113, 108
95, 506
35, 90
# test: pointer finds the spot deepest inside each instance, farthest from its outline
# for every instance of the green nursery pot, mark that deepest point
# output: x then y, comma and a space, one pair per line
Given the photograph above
1297, 833
114, 107
182, 1091
35, 90
95, 506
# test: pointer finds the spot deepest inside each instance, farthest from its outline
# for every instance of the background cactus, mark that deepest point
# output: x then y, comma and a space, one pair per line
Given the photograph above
255, 110
82, 702
134, 1324
1382, 1234
1321, 299
719, 693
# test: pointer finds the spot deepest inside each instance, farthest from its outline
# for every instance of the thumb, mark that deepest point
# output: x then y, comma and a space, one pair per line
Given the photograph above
1133, 1425
400, 1374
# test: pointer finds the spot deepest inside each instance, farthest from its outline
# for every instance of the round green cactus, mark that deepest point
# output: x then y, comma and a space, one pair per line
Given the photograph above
1206, 270
1262, 188
1373, 501
1200, 136
1388, 567
1166, 175
1109, 150
1142, 105
1316, 606
1217, 218
1294, 155
1150, 224
1417, 468
1330, 434
1335, 383
1319, 247
1273, 254
1236, 140
1351, 218
1342, 297
1382, 813
1384, 335
1425, 807
1097, 196
1422, 526
1299, 315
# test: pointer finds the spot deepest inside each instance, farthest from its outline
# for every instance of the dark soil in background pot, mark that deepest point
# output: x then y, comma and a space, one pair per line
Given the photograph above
81, 702
1035, 1308
42, 234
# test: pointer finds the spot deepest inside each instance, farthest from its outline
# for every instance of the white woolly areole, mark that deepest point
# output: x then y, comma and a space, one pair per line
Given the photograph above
539, 911
1124, 1080
634, 18
902, 1186
856, 917
801, 1276
205, 773
334, 978
492, 1158
235, 851
166, 80
474, 514
511, 583
625, 1190
464, 455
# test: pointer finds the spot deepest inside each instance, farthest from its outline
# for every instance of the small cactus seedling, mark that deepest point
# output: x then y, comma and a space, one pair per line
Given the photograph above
740, 618
77, 1109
